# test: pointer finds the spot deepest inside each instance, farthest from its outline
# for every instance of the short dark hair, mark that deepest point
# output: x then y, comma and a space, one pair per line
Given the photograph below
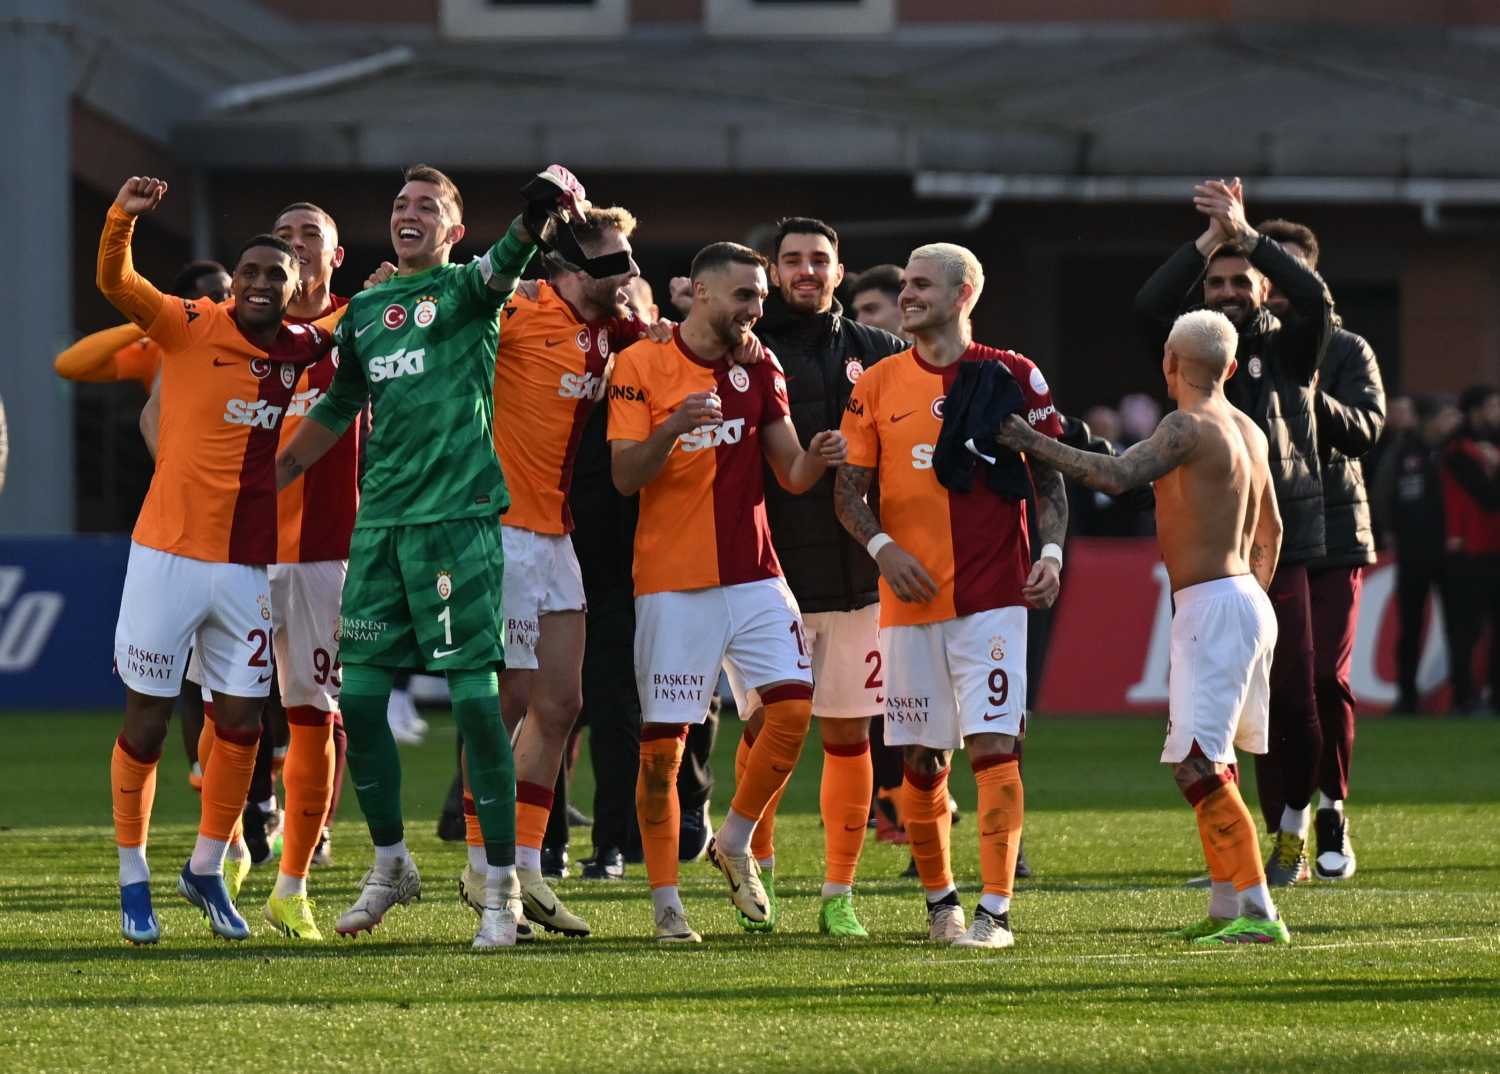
717, 255
801, 225
185, 283
886, 278
309, 207
1228, 249
426, 173
266, 240
1284, 231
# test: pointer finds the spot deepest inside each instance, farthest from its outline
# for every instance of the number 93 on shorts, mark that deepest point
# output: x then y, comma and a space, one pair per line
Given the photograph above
424, 597
960, 677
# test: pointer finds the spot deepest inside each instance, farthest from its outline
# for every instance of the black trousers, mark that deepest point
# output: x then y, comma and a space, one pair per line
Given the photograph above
695, 779
612, 709
1415, 580
1471, 601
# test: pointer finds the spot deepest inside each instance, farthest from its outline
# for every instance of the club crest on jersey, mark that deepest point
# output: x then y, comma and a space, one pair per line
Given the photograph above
937, 407
425, 312
997, 649
603, 343
739, 378
854, 369
394, 316
265, 606
288, 374
445, 584
260, 367
582, 339
1038, 382
1254, 368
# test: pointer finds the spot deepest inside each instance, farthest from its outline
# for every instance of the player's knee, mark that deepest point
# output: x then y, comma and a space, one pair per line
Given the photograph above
923, 760
838, 732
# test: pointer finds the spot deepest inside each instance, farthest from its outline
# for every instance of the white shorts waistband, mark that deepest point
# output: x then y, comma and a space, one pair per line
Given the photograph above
1187, 596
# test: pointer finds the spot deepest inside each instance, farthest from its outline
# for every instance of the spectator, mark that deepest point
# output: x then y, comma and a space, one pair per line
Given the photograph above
1105, 423
1471, 508
1140, 414
876, 298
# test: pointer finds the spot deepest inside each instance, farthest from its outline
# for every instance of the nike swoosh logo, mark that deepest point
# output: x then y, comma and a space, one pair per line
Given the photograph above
361, 331
365, 786
547, 911
879, 699
897, 417
855, 827
803, 665
127, 790
312, 812
986, 835
438, 654
779, 770
264, 678
995, 716
486, 801
217, 362
553, 342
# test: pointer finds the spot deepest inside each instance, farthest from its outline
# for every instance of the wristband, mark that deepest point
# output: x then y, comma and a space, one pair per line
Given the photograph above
877, 542
1052, 551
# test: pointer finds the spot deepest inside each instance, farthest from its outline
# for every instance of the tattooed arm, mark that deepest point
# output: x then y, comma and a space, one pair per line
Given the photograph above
1045, 580
1166, 449
1265, 542
901, 570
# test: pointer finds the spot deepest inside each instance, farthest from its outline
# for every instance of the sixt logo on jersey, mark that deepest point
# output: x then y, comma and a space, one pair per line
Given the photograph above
302, 402
921, 456
581, 386
256, 413
711, 436
403, 363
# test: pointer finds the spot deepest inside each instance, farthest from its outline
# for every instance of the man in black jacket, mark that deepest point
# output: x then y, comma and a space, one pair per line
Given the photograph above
823, 353
1231, 268
1350, 401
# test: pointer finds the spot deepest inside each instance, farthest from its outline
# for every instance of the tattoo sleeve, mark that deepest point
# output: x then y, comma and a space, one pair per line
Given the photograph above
1171, 444
850, 487
1051, 503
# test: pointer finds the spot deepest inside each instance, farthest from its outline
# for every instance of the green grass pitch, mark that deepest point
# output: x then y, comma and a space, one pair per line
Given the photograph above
1396, 970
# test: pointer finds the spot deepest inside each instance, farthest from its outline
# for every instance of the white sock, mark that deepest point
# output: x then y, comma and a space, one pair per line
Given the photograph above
734, 834
1256, 902
1225, 902
830, 890
133, 868
666, 897
392, 857
208, 856
939, 896
1335, 804
767, 863
1296, 820
289, 885
501, 885
268, 806
237, 849
995, 904
529, 858
477, 861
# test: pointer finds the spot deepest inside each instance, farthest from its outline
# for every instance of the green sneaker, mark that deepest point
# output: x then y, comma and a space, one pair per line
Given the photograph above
768, 881
836, 918
293, 917
235, 871
1206, 927
1248, 930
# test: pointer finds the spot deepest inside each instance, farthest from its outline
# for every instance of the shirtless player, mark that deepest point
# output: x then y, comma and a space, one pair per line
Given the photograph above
1220, 535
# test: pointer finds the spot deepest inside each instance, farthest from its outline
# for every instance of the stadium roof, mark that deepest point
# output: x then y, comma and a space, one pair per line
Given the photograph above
1144, 99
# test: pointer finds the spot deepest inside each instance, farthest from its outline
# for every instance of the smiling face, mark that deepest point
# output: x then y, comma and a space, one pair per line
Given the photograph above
608, 293
807, 271
1233, 287
264, 281
424, 225
928, 300
312, 235
730, 299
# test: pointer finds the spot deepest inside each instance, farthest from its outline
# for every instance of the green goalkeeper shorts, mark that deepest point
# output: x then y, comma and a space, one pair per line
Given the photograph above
425, 597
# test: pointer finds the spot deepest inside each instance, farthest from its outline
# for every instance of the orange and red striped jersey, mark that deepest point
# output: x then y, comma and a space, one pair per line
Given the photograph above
549, 373
974, 544
315, 513
115, 354
703, 519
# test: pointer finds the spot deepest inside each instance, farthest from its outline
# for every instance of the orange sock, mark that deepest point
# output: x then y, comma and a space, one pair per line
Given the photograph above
763, 841
533, 807
132, 785
226, 782
848, 782
473, 836
205, 751
929, 826
1002, 806
656, 805
1229, 832
308, 776
776, 749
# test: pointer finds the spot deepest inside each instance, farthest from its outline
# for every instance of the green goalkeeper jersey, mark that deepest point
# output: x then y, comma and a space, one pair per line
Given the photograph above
421, 350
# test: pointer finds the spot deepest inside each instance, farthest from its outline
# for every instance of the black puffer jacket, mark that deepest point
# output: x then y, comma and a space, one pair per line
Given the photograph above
1274, 384
823, 356
1351, 414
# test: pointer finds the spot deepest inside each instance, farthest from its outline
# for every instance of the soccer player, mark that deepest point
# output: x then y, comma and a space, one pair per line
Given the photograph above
423, 588
554, 353
1220, 535
956, 580
689, 431
197, 573
823, 354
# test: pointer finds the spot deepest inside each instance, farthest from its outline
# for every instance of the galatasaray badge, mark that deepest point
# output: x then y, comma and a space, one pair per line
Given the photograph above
288, 374
265, 606
1253, 368
997, 649
582, 339
739, 378
425, 313
854, 369
603, 343
444, 584
937, 407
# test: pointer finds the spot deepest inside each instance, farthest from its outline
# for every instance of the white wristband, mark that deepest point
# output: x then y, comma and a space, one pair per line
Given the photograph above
1052, 551
877, 542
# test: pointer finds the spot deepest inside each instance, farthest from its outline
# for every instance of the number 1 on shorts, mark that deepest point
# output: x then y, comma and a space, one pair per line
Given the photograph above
446, 618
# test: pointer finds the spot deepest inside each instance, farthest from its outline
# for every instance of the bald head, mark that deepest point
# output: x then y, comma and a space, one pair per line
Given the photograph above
1204, 343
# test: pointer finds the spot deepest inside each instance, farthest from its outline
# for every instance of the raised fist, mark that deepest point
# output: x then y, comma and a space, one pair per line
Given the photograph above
140, 194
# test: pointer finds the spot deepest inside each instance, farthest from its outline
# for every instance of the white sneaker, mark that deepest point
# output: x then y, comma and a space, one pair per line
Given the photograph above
672, 927
745, 888
471, 894
544, 907
988, 930
381, 891
945, 922
407, 727
497, 926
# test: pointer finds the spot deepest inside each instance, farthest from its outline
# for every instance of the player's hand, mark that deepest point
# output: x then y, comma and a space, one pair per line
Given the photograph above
907, 578
830, 447
749, 352
140, 194
1014, 433
697, 410
1224, 202
384, 271
1042, 584
680, 294
661, 331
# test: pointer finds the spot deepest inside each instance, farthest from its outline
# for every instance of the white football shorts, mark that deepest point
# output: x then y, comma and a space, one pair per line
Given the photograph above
847, 668
541, 576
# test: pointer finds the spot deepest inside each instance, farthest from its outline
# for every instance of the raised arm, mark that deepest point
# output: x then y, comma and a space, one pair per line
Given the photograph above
1311, 327
797, 470
1265, 543
92, 359
127, 290
1167, 448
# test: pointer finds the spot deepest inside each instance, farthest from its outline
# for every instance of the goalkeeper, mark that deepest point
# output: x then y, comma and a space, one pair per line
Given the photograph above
423, 590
